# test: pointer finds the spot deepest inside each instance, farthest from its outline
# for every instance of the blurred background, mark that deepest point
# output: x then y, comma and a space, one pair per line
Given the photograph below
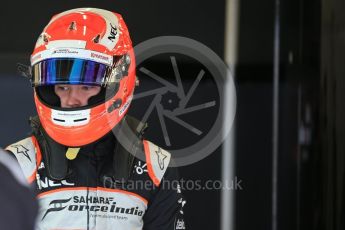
287, 143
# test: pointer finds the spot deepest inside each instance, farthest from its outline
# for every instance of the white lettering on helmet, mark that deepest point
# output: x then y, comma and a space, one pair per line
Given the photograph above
71, 118
124, 108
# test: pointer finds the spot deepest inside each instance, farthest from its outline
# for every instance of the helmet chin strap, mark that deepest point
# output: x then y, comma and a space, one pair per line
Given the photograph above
52, 152
57, 162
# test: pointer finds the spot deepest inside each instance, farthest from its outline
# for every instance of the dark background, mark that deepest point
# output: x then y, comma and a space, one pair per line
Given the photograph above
311, 108
199, 20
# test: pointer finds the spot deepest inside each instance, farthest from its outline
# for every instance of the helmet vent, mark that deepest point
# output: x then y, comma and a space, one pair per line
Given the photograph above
96, 39
73, 26
45, 38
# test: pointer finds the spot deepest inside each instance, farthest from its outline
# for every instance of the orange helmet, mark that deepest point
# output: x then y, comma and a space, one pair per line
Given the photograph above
83, 46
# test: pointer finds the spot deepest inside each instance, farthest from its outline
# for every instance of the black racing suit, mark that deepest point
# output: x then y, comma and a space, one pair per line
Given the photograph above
104, 187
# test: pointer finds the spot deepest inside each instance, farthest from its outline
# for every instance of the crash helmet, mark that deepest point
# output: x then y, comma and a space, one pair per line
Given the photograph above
84, 46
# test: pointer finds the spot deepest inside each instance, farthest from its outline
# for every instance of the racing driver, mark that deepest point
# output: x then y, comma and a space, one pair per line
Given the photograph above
92, 167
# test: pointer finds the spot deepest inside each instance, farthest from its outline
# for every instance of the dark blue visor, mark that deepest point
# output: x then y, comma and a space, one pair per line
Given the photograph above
69, 71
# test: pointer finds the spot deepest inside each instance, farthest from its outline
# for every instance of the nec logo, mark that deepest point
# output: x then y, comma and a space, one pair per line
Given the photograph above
113, 33
47, 183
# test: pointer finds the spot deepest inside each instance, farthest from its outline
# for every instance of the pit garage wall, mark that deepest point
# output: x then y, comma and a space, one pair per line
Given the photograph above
299, 110
331, 171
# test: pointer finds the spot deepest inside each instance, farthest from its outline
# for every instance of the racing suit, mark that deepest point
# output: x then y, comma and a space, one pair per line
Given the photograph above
104, 187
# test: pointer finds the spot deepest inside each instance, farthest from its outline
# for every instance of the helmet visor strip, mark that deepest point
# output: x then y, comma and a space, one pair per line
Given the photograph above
69, 71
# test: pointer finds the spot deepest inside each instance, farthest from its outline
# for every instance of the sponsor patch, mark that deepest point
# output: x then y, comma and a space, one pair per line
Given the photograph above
124, 108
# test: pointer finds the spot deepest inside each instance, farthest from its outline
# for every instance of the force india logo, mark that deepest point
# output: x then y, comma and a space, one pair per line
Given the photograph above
93, 204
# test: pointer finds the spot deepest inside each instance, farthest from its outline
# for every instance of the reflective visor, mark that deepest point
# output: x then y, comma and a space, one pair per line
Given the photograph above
69, 71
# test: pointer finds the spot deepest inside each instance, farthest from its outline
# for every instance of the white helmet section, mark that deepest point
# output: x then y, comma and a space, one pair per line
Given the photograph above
71, 118
157, 160
25, 152
72, 53
111, 21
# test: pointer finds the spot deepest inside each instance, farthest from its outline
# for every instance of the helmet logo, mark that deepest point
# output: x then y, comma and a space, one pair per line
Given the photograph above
65, 51
113, 33
70, 118
73, 26
100, 56
125, 106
